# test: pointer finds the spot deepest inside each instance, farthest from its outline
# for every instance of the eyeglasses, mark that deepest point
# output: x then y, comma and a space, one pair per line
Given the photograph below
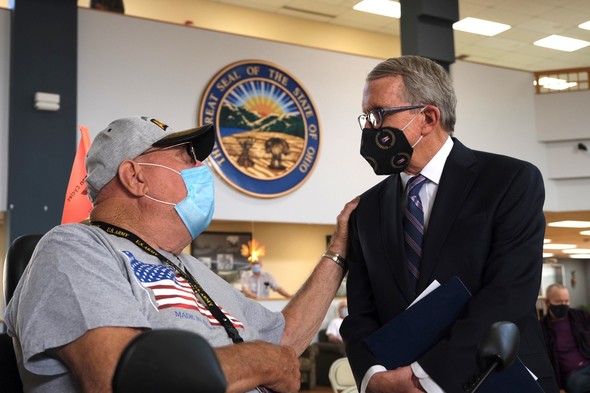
190, 149
375, 117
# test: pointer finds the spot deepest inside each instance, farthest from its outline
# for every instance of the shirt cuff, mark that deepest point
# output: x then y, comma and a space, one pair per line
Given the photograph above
426, 382
370, 372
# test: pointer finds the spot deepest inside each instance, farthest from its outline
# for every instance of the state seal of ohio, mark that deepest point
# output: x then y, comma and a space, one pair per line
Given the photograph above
267, 130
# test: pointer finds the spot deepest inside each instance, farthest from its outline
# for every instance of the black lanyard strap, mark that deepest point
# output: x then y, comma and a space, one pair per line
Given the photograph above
231, 330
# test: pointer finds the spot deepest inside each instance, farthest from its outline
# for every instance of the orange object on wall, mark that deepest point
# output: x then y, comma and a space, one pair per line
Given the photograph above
77, 206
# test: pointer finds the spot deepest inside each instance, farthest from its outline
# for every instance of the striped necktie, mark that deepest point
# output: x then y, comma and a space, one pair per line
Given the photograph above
414, 228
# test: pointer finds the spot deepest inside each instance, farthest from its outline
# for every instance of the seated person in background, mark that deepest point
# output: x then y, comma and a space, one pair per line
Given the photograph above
567, 335
333, 330
256, 283
90, 289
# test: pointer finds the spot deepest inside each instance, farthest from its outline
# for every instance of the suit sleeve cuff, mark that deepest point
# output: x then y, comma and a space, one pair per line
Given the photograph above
426, 382
370, 372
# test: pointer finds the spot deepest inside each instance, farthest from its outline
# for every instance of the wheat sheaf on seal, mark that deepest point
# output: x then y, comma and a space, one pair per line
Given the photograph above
267, 130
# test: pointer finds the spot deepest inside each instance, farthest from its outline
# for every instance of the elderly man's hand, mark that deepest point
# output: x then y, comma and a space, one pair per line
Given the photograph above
252, 364
340, 238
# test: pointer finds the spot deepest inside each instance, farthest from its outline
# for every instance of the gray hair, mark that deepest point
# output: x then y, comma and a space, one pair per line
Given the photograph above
554, 285
425, 82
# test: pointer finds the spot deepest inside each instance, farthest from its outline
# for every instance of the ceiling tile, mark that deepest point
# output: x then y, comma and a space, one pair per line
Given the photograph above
527, 7
315, 7
530, 20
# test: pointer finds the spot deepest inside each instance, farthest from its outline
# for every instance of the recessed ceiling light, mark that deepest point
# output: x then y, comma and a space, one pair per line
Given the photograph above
585, 233
559, 42
480, 26
585, 25
388, 8
570, 224
577, 251
554, 83
557, 246
580, 256
547, 254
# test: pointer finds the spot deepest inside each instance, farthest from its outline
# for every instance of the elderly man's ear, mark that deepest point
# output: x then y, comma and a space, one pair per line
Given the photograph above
132, 177
431, 119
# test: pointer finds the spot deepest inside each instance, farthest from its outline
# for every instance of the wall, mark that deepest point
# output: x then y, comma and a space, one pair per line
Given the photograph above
143, 74
138, 66
292, 250
4, 93
579, 292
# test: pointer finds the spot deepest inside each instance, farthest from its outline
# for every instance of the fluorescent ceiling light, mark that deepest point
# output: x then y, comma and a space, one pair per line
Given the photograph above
555, 83
577, 251
570, 224
557, 246
480, 26
547, 254
585, 233
546, 240
388, 8
580, 256
562, 43
585, 25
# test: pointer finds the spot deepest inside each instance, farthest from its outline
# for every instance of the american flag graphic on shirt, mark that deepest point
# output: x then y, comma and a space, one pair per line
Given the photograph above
171, 290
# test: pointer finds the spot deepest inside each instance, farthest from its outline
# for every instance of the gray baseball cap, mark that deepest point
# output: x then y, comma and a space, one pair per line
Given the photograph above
129, 137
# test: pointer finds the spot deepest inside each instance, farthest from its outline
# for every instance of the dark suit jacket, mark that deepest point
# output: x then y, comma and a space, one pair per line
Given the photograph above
486, 227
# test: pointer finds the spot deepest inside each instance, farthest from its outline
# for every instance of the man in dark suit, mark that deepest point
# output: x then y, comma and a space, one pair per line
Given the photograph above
479, 218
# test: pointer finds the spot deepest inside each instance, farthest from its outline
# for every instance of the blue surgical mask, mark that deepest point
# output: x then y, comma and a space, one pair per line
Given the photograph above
196, 210
256, 268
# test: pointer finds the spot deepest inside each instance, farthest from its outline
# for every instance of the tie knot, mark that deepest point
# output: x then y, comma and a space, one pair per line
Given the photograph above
415, 184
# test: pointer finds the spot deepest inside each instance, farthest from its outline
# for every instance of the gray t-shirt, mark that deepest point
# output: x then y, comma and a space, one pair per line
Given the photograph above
81, 278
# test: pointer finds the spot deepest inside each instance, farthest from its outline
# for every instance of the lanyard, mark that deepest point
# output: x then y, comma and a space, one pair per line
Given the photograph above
231, 330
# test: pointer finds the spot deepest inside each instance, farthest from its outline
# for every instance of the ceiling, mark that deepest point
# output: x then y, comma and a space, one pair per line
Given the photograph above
530, 20
567, 235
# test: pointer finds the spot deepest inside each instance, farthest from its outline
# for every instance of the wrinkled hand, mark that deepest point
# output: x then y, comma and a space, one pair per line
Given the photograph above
340, 238
287, 374
258, 363
400, 380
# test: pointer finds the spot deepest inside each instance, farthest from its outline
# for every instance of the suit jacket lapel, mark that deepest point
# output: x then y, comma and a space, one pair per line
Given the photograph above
455, 183
393, 237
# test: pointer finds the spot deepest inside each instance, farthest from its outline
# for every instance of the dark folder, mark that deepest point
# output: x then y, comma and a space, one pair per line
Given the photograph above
408, 336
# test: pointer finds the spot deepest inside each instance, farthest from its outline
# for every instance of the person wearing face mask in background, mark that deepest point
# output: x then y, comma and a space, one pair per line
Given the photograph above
90, 289
567, 335
333, 329
443, 210
256, 284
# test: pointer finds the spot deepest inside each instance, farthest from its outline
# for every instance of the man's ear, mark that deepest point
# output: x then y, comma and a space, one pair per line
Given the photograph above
431, 119
132, 178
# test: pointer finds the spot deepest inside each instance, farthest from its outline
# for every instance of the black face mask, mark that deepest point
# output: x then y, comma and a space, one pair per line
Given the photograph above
386, 149
559, 311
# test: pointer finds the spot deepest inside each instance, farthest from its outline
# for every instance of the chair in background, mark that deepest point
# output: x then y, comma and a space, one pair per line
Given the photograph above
307, 367
18, 256
341, 377
351, 389
327, 353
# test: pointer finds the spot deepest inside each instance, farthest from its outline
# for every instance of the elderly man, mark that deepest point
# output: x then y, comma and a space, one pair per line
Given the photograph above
567, 337
444, 210
89, 289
